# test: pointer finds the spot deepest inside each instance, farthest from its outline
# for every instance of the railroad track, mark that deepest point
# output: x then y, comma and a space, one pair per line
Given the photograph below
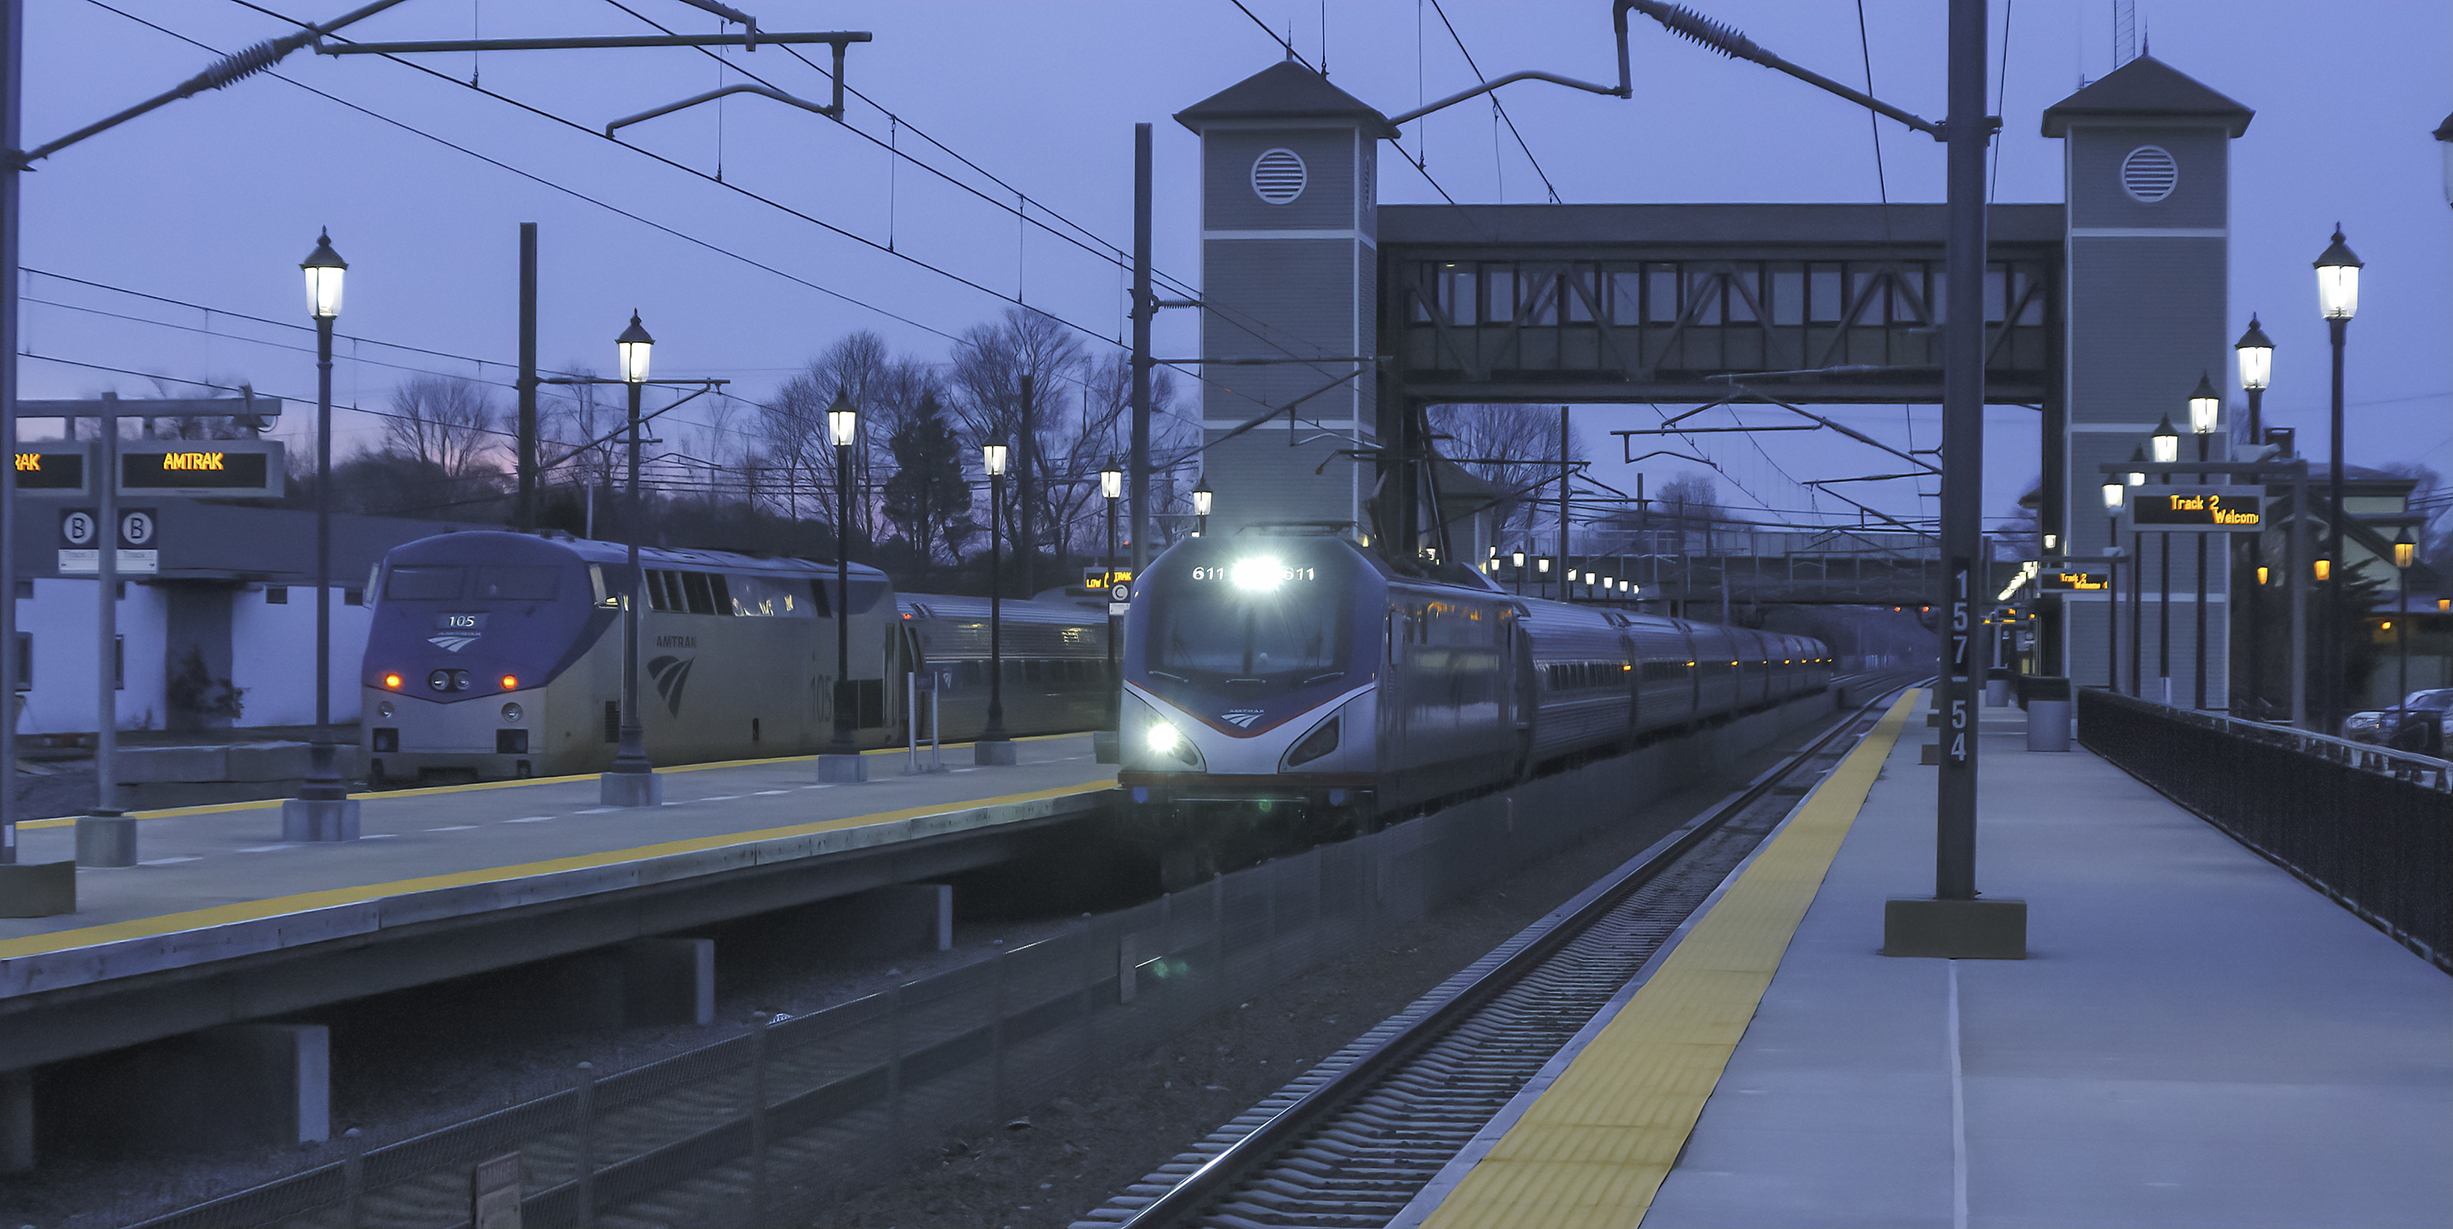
1351, 1142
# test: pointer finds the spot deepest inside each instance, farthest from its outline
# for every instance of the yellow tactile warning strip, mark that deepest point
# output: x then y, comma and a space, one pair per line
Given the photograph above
1594, 1149
278, 906
258, 804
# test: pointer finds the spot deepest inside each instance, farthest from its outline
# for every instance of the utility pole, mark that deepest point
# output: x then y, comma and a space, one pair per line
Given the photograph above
1143, 310
1024, 547
1955, 924
1563, 471
12, 90
528, 377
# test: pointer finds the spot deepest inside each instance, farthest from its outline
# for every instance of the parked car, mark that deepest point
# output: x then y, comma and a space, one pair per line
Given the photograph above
2418, 725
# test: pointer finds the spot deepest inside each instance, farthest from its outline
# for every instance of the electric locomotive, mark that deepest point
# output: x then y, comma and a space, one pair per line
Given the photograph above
1303, 683
498, 655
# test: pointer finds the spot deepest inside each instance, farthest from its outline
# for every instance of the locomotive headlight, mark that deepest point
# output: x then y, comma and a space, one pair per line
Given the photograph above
511, 712
1164, 738
383, 709
439, 680
1258, 574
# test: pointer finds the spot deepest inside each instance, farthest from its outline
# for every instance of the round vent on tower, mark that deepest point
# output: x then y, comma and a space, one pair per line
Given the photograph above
2148, 173
1277, 176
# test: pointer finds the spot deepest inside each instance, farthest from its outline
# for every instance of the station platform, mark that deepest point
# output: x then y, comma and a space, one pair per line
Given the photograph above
2196, 1037
458, 879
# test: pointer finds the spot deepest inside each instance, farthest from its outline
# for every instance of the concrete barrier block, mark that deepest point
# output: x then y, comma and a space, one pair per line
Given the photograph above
989, 753
38, 889
322, 819
843, 769
106, 840
668, 981
140, 764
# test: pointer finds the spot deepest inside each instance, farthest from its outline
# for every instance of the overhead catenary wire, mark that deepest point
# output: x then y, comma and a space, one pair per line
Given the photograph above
1497, 106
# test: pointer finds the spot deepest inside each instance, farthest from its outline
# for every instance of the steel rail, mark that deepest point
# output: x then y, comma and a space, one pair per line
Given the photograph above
1216, 1176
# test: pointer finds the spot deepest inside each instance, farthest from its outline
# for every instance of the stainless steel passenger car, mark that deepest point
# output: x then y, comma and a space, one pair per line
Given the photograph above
1302, 681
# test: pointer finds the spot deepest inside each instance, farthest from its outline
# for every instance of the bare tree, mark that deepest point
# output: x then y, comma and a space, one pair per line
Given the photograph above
1516, 449
986, 379
443, 421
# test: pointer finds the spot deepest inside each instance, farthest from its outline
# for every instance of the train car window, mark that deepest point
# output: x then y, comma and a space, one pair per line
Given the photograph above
519, 583
817, 599
656, 597
722, 592
424, 583
762, 597
696, 593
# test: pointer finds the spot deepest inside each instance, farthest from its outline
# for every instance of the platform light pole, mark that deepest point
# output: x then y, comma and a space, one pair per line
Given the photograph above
1202, 497
1111, 488
2205, 411
2114, 492
632, 781
2255, 351
2164, 447
1516, 563
2137, 584
322, 811
2405, 552
995, 746
842, 762
2338, 298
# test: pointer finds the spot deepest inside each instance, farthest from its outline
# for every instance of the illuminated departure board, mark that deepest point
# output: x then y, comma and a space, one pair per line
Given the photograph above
2073, 580
52, 470
2197, 509
201, 467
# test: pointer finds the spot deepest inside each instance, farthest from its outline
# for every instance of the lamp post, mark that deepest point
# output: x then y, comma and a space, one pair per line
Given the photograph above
1111, 488
2205, 410
1516, 563
322, 810
632, 781
994, 745
2338, 298
2164, 447
2114, 493
1202, 497
2405, 552
842, 761
2137, 584
2256, 355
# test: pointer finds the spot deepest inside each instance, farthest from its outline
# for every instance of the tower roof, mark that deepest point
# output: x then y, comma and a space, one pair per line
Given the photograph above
1284, 90
2146, 88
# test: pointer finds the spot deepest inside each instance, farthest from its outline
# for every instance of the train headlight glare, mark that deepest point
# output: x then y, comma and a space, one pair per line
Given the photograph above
1258, 574
1163, 738
392, 681
511, 682
511, 712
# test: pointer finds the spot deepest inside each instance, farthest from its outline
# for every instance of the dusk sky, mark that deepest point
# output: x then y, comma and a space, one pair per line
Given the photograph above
212, 201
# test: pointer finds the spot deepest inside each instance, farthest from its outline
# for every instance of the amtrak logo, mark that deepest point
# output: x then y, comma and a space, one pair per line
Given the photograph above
671, 673
1241, 718
452, 642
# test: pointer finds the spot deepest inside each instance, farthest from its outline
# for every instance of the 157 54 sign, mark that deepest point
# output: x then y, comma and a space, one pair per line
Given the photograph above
2202, 509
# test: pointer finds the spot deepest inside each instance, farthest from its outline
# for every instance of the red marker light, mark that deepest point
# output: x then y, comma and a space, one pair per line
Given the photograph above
511, 682
392, 681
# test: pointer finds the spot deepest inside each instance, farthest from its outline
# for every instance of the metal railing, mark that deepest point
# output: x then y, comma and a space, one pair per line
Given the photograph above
2368, 826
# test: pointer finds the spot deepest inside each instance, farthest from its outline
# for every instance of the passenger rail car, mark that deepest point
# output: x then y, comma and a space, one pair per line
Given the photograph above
497, 655
1287, 681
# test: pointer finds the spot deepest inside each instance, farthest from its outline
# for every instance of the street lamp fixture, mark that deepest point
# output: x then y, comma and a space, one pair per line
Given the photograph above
2113, 492
2205, 407
2256, 351
2404, 550
2324, 570
324, 268
994, 745
842, 761
2137, 456
633, 346
2164, 443
322, 811
1202, 496
1111, 481
2338, 280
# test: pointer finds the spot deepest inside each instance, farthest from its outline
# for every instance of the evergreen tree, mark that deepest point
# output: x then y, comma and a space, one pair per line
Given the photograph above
927, 499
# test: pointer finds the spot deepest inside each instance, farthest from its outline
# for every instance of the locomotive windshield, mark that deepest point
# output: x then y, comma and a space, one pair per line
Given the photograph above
1252, 624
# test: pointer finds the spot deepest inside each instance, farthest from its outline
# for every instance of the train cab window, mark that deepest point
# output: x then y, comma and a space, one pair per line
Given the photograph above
760, 597
424, 583
721, 593
699, 598
519, 583
817, 599
657, 597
